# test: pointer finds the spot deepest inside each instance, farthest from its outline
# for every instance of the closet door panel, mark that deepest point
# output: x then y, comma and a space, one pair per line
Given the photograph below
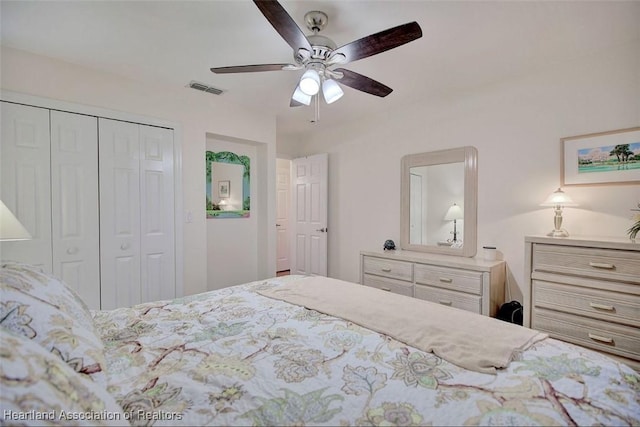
74, 199
157, 213
119, 154
25, 181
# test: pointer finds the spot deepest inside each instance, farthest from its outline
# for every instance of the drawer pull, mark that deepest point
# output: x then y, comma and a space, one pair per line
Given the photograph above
601, 339
604, 265
386, 270
443, 302
386, 289
602, 306
446, 280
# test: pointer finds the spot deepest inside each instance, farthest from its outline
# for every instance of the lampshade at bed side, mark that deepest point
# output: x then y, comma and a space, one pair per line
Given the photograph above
10, 227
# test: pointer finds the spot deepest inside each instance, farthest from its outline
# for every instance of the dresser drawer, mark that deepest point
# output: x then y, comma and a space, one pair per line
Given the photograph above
597, 303
400, 270
610, 264
449, 278
390, 285
596, 334
451, 298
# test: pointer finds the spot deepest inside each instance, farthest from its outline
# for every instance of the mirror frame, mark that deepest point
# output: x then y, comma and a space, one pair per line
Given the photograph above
468, 155
234, 159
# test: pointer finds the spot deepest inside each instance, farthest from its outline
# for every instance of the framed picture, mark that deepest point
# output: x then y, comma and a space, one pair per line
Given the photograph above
606, 158
224, 189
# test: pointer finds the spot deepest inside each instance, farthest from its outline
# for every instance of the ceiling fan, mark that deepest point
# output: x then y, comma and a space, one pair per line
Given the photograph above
320, 57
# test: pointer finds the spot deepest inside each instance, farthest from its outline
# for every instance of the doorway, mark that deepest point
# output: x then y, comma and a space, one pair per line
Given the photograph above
283, 212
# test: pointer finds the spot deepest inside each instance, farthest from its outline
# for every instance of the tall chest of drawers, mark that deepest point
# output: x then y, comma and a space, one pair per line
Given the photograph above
586, 291
467, 283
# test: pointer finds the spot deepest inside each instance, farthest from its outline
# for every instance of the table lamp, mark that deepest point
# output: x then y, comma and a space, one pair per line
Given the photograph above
10, 227
558, 199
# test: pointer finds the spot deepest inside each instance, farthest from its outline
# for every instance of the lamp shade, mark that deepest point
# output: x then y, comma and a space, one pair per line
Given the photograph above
558, 198
454, 212
10, 227
331, 91
310, 82
301, 97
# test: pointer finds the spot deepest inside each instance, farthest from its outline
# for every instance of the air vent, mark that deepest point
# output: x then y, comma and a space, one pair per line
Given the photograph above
204, 88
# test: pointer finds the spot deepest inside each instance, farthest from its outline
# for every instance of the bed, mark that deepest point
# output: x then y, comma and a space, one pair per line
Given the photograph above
243, 355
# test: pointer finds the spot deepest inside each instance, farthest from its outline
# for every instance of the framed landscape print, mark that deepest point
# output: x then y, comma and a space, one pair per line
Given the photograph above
606, 158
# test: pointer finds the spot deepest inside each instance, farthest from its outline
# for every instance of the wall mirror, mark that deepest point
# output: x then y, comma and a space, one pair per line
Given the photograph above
228, 185
439, 192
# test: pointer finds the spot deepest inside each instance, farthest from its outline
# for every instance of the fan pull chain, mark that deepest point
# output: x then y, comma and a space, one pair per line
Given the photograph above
316, 117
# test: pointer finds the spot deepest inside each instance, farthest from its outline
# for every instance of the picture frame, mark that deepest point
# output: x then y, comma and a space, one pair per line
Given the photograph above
604, 158
224, 189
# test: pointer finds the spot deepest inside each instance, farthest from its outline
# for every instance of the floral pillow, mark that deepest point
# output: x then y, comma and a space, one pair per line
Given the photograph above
39, 388
40, 307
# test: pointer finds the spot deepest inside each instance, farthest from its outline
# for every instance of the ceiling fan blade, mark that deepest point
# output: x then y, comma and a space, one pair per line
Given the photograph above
284, 24
249, 68
379, 42
363, 83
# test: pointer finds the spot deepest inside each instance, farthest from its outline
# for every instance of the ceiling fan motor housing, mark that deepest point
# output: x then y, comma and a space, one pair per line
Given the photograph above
319, 55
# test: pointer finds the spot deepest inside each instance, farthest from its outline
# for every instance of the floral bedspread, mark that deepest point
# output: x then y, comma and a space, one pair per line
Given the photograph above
234, 357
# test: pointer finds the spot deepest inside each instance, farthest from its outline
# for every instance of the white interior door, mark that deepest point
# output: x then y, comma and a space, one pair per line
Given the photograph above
283, 207
309, 201
25, 169
157, 258
119, 151
74, 201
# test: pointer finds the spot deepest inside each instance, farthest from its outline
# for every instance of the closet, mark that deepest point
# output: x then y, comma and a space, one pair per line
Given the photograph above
97, 195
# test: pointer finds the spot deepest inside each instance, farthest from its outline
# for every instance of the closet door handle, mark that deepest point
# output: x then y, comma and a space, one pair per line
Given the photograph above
602, 306
604, 265
601, 339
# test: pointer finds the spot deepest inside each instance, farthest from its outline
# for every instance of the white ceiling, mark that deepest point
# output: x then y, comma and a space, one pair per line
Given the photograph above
464, 44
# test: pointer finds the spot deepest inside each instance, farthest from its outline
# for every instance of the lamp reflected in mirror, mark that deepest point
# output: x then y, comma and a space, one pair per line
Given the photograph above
454, 213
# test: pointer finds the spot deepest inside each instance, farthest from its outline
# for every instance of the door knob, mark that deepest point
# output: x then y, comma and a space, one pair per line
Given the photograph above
124, 246
323, 229
72, 251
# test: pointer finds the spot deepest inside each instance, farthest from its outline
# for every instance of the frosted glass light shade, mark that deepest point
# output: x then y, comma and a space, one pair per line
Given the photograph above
10, 227
558, 198
310, 82
454, 212
331, 91
301, 97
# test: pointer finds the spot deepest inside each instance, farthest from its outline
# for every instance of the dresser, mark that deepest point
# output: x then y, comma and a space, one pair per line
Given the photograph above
586, 291
467, 283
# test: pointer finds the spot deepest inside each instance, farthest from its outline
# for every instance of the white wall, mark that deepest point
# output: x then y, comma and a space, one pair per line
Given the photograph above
198, 114
516, 125
232, 247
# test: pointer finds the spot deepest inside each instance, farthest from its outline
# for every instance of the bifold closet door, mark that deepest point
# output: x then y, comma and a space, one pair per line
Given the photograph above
74, 202
25, 187
136, 213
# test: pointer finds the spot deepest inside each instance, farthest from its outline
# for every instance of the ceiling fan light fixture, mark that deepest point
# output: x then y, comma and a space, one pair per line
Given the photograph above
310, 82
331, 91
301, 97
